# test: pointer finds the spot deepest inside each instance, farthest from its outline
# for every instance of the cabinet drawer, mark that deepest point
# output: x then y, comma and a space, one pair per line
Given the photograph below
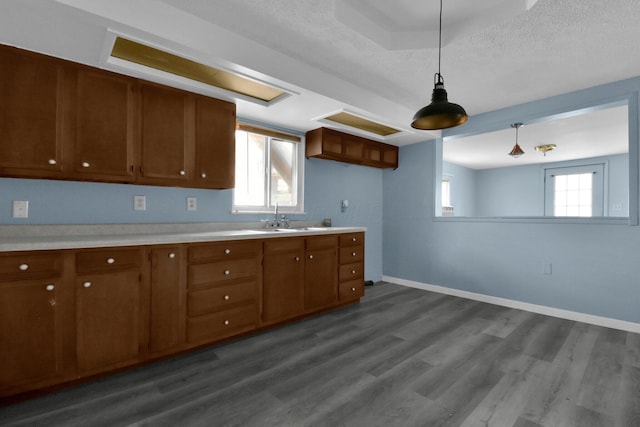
352, 239
351, 254
222, 298
108, 260
350, 272
222, 324
272, 246
205, 275
321, 242
351, 290
30, 266
224, 250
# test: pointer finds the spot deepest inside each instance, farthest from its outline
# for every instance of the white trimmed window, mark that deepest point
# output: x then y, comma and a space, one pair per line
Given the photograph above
575, 191
269, 171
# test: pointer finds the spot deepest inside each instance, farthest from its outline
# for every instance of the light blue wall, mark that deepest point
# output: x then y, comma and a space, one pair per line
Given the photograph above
327, 183
595, 267
519, 190
463, 188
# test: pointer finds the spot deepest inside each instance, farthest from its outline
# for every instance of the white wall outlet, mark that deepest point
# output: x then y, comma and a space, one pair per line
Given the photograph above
139, 203
21, 209
192, 203
546, 269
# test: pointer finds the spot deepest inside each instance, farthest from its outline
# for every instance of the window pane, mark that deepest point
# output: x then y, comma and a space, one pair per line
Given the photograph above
560, 182
446, 192
586, 181
283, 155
250, 169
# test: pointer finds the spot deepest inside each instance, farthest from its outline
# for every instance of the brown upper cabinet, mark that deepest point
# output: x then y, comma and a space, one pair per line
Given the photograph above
330, 144
32, 90
101, 129
61, 120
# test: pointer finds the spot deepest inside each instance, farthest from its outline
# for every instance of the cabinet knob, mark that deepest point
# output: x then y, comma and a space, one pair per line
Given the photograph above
49, 288
353, 254
353, 272
52, 162
110, 260
203, 175
226, 297
172, 255
297, 258
24, 267
310, 256
182, 173
353, 289
227, 272
87, 284
85, 164
227, 251
353, 239
226, 322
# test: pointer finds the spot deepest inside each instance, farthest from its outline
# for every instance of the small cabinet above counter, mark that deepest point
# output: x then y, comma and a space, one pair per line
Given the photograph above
329, 144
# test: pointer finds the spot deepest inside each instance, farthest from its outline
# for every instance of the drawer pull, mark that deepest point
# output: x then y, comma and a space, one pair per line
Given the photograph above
203, 175
52, 162
24, 267
227, 272
227, 251
110, 260
182, 173
226, 322
353, 289
353, 272
226, 297
297, 258
353, 239
172, 255
87, 284
85, 164
353, 254
310, 256
50, 288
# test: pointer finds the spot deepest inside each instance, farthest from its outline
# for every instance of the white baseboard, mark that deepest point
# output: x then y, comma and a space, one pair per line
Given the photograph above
534, 308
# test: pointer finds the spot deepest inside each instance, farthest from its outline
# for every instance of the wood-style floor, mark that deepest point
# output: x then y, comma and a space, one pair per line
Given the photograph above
403, 357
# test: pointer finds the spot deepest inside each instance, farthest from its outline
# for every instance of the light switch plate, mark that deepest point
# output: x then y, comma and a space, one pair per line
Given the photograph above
139, 203
21, 209
192, 203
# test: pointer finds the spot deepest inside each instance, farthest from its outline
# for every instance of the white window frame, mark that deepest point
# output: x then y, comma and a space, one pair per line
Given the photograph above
598, 190
298, 173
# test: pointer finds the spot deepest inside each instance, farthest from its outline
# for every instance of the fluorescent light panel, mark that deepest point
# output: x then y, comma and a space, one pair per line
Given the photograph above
154, 58
350, 120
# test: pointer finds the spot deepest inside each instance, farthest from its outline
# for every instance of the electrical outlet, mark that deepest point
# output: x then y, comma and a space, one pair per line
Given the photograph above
546, 269
21, 209
139, 203
192, 204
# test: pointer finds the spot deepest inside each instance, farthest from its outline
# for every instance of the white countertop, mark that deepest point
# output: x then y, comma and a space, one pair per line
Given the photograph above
27, 238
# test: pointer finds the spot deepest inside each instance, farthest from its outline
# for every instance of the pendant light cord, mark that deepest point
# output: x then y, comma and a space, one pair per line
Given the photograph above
437, 79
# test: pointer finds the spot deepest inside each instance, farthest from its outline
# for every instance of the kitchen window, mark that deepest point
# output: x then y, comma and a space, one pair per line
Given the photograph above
269, 171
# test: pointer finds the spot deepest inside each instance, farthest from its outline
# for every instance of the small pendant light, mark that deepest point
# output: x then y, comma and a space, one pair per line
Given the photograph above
440, 114
516, 151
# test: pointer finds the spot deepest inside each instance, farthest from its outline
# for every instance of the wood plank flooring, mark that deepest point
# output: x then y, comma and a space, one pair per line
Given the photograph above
403, 357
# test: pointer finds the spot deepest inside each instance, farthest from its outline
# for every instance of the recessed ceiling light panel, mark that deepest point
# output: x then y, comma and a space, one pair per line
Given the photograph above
351, 120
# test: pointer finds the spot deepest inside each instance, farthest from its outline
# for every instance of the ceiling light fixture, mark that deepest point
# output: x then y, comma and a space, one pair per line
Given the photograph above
516, 151
545, 147
440, 114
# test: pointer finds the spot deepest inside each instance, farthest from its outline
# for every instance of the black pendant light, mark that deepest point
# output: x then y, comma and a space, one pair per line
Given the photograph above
440, 114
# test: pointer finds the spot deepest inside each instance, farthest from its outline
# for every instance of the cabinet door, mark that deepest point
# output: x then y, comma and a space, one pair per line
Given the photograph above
321, 273
167, 299
107, 319
103, 136
215, 143
30, 332
283, 285
31, 114
167, 135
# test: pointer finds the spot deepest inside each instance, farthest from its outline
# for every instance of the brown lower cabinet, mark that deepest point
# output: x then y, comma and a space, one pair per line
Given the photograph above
69, 314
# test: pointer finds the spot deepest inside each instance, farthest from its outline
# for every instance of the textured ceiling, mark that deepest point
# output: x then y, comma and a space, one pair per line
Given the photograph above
497, 53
